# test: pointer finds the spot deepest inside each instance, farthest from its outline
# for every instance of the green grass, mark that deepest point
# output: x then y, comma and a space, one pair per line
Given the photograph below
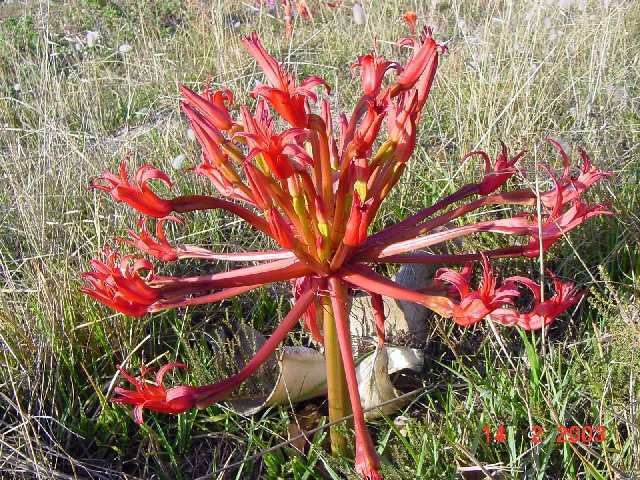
514, 71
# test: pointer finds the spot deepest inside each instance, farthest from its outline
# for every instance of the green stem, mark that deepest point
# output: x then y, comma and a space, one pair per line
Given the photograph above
337, 391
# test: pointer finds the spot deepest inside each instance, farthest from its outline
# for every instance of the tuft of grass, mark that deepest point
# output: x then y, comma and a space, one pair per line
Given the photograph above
515, 71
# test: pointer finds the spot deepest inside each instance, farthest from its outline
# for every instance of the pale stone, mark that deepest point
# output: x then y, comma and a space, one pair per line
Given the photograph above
359, 17
402, 318
91, 38
178, 162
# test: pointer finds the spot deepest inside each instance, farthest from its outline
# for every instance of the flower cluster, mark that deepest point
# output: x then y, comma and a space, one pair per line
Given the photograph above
314, 183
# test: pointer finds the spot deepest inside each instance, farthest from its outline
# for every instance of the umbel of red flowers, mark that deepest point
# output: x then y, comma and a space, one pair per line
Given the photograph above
314, 183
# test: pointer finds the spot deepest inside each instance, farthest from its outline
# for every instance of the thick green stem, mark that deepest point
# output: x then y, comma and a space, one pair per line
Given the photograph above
337, 392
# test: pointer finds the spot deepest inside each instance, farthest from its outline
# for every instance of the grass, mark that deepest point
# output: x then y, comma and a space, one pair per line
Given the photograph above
516, 71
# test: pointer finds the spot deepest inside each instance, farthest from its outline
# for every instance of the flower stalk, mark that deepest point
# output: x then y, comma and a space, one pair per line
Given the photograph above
337, 391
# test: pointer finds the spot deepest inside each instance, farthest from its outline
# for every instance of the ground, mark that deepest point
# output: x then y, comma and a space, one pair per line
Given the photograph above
74, 103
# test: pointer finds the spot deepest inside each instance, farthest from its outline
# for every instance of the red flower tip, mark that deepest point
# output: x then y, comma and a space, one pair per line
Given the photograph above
425, 52
474, 305
573, 187
154, 397
367, 131
208, 135
157, 247
211, 105
136, 194
410, 18
276, 76
116, 282
286, 98
213, 157
372, 71
275, 149
543, 312
499, 173
303, 10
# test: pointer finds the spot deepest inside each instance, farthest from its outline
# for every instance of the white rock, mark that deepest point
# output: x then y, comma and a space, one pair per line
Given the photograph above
178, 162
401, 422
124, 48
191, 135
415, 277
374, 381
359, 17
401, 317
91, 38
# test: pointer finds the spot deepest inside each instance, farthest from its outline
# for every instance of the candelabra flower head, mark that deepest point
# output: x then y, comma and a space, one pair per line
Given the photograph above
314, 183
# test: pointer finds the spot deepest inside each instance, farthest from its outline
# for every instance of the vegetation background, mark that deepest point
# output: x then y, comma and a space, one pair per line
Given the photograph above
84, 83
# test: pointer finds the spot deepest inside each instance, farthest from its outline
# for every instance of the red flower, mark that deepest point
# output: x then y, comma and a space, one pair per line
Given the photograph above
137, 195
368, 129
157, 247
284, 96
372, 71
276, 149
211, 105
410, 18
208, 136
116, 282
424, 53
181, 398
557, 225
573, 187
543, 312
502, 170
154, 397
215, 161
474, 305
317, 193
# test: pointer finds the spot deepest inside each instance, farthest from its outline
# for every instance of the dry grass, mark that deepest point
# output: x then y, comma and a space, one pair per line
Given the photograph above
516, 71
